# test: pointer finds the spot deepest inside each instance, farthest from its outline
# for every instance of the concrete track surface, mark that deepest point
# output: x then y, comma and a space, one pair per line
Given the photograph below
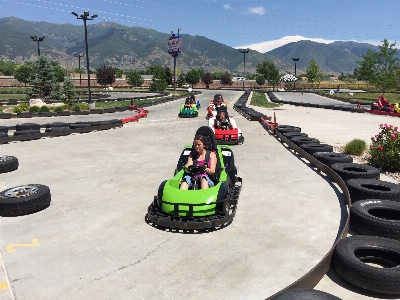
93, 242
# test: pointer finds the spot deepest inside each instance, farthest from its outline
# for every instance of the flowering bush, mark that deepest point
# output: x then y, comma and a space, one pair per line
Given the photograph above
385, 149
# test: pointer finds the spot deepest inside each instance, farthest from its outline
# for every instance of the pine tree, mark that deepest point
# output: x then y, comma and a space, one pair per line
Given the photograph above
43, 79
68, 91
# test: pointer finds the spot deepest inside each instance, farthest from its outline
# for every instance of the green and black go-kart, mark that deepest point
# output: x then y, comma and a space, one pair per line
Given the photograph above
198, 208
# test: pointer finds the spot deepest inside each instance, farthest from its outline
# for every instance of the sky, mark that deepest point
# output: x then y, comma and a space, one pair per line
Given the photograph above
260, 25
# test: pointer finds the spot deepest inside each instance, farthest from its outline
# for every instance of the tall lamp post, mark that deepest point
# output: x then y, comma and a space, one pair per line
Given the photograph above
85, 17
295, 60
244, 51
38, 40
80, 73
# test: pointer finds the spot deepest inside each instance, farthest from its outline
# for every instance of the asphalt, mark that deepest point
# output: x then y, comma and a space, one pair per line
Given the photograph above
94, 242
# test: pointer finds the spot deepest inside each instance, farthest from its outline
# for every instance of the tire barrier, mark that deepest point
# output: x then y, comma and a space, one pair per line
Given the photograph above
247, 112
316, 147
311, 278
352, 254
57, 129
376, 217
305, 294
361, 189
304, 140
24, 200
329, 158
288, 128
8, 163
353, 170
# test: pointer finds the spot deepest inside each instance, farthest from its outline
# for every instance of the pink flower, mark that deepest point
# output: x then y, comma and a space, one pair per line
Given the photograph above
395, 128
372, 146
381, 148
372, 138
387, 127
380, 125
393, 136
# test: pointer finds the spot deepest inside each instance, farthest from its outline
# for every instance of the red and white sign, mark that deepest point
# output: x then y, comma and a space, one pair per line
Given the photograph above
175, 45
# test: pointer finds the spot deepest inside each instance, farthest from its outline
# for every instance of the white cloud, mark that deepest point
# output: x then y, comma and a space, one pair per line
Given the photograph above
257, 10
227, 6
270, 45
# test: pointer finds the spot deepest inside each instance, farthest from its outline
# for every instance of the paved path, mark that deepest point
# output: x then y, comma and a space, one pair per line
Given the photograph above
94, 241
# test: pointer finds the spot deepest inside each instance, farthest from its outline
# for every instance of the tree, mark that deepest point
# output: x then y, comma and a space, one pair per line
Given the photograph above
105, 75
134, 78
226, 79
193, 77
43, 80
260, 79
181, 80
380, 68
68, 91
59, 73
79, 71
23, 73
313, 73
7, 68
118, 72
159, 82
207, 79
217, 75
169, 77
270, 72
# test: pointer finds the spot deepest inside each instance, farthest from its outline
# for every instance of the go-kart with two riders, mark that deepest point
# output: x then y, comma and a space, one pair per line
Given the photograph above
215, 103
225, 131
189, 108
197, 208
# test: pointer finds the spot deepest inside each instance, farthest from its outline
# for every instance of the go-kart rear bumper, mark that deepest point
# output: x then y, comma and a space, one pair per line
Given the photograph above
191, 115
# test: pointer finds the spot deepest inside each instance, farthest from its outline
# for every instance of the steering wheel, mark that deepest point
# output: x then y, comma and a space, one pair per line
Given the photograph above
195, 170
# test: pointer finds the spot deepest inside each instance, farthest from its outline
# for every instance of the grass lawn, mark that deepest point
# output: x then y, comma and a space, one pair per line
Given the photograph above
259, 99
369, 97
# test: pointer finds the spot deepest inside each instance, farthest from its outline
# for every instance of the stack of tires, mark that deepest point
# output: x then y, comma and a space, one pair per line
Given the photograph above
3, 131
23, 199
370, 260
26, 129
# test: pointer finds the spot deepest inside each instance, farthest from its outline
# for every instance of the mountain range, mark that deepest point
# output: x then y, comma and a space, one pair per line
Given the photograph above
134, 48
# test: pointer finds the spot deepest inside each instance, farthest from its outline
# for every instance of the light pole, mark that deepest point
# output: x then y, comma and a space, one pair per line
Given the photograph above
295, 60
38, 40
244, 51
85, 17
80, 73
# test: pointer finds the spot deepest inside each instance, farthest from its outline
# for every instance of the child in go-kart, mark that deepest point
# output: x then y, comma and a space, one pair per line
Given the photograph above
222, 122
188, 104
198, 158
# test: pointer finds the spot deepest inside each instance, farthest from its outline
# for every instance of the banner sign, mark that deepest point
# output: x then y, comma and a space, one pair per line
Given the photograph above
174, 45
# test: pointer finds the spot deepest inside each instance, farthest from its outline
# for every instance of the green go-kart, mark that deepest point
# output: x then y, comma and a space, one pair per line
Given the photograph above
198, 208
188, 109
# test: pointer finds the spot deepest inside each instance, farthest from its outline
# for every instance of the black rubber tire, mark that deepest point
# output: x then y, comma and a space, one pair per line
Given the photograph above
57, 124
329, 158
4, 129
287, 128
3, 134
79, 125
305, 294
353, 170
376, 217
304, 140
114, 121
350, 254
99, 123
292, 134
24, 205
8, 163
361, 189
316, 147
27, 126
26, 132
54, 129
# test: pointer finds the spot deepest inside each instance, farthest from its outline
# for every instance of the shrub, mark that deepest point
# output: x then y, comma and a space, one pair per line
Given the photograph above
21, 107
45, 108
59, 108
385, 149
34, 109
76, 107
84, 106
355, 147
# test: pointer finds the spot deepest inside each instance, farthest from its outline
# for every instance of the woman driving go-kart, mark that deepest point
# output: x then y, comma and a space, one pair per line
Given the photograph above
200, 166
